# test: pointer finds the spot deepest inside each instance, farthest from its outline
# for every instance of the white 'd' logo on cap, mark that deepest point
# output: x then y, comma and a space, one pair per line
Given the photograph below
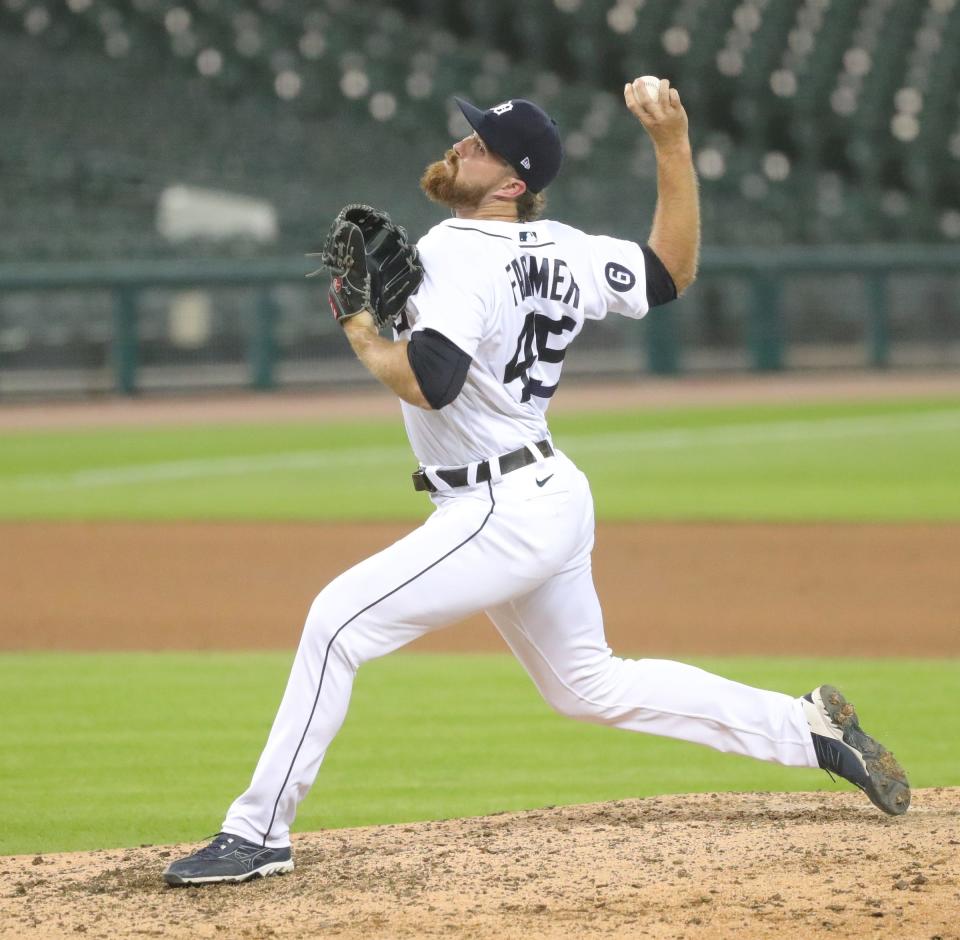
503, 108
525, 163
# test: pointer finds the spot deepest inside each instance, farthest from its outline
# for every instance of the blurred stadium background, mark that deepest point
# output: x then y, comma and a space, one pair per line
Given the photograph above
167, 163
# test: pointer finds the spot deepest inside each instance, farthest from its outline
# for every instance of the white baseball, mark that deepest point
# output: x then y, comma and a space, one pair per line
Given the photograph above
652, 84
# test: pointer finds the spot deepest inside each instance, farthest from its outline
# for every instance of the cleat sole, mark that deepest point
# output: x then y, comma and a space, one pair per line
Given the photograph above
888, 787
186, 881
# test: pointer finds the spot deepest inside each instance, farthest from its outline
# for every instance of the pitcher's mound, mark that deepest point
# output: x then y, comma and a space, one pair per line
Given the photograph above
707, 865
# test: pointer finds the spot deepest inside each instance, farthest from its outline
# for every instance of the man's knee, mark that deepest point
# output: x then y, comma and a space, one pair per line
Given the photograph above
586, 697
327, 627
571, 703
576, 708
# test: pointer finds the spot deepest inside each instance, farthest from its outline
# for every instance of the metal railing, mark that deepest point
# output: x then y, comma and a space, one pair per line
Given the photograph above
764, 269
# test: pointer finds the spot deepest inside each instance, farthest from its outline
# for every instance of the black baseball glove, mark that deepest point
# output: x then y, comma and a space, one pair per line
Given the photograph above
372, 264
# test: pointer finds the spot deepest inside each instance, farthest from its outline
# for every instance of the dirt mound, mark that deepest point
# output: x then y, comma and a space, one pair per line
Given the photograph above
709, 865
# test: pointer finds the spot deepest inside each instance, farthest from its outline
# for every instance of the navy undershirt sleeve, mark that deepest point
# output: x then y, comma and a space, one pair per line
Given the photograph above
660, 286
439, 366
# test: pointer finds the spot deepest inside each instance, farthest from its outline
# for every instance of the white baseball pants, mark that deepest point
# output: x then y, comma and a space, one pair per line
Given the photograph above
520, 550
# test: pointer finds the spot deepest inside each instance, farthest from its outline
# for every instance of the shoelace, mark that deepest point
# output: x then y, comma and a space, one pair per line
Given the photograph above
834, 757
220, 842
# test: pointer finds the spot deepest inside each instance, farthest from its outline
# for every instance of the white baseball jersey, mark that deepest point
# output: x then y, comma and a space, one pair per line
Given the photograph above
512, 297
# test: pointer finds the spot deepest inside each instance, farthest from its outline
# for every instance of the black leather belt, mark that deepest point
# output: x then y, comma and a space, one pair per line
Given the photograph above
457, 476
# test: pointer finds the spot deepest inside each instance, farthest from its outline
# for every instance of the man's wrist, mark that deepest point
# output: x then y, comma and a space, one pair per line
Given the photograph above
361, 322
675, 150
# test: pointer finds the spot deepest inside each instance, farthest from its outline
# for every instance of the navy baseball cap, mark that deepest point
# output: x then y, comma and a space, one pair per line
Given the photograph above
523, 134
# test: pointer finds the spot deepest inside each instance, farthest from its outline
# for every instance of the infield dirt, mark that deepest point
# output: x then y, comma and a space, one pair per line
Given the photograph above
666, 589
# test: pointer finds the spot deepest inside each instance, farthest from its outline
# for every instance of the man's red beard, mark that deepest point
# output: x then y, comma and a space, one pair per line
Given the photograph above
439, 182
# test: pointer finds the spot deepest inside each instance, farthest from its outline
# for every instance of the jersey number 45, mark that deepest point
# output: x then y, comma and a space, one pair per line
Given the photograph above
535, 355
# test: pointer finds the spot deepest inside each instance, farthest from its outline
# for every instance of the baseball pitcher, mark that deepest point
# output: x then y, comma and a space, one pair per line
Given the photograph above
482, 312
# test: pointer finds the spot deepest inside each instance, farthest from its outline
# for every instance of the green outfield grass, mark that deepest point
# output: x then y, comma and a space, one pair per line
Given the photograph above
112, 750
868, 461
121, 749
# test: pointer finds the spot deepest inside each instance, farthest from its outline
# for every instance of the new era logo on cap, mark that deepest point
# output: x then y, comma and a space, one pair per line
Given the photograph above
523, 134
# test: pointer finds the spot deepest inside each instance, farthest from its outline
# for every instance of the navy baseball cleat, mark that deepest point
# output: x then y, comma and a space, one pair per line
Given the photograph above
228, 858
845, 749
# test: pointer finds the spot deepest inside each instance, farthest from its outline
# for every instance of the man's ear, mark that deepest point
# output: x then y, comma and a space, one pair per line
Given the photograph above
511, 188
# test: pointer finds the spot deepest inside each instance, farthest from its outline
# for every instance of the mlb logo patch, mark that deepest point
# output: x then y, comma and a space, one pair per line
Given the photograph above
528, 236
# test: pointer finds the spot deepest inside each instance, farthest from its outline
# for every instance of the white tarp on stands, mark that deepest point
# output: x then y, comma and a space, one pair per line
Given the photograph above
188, 212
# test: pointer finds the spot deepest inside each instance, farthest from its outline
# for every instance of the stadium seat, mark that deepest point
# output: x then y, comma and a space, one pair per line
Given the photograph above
849, 109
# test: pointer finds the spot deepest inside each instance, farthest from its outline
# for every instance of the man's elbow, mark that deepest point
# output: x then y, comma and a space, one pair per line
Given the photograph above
414, 396
684, 277
680, 261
